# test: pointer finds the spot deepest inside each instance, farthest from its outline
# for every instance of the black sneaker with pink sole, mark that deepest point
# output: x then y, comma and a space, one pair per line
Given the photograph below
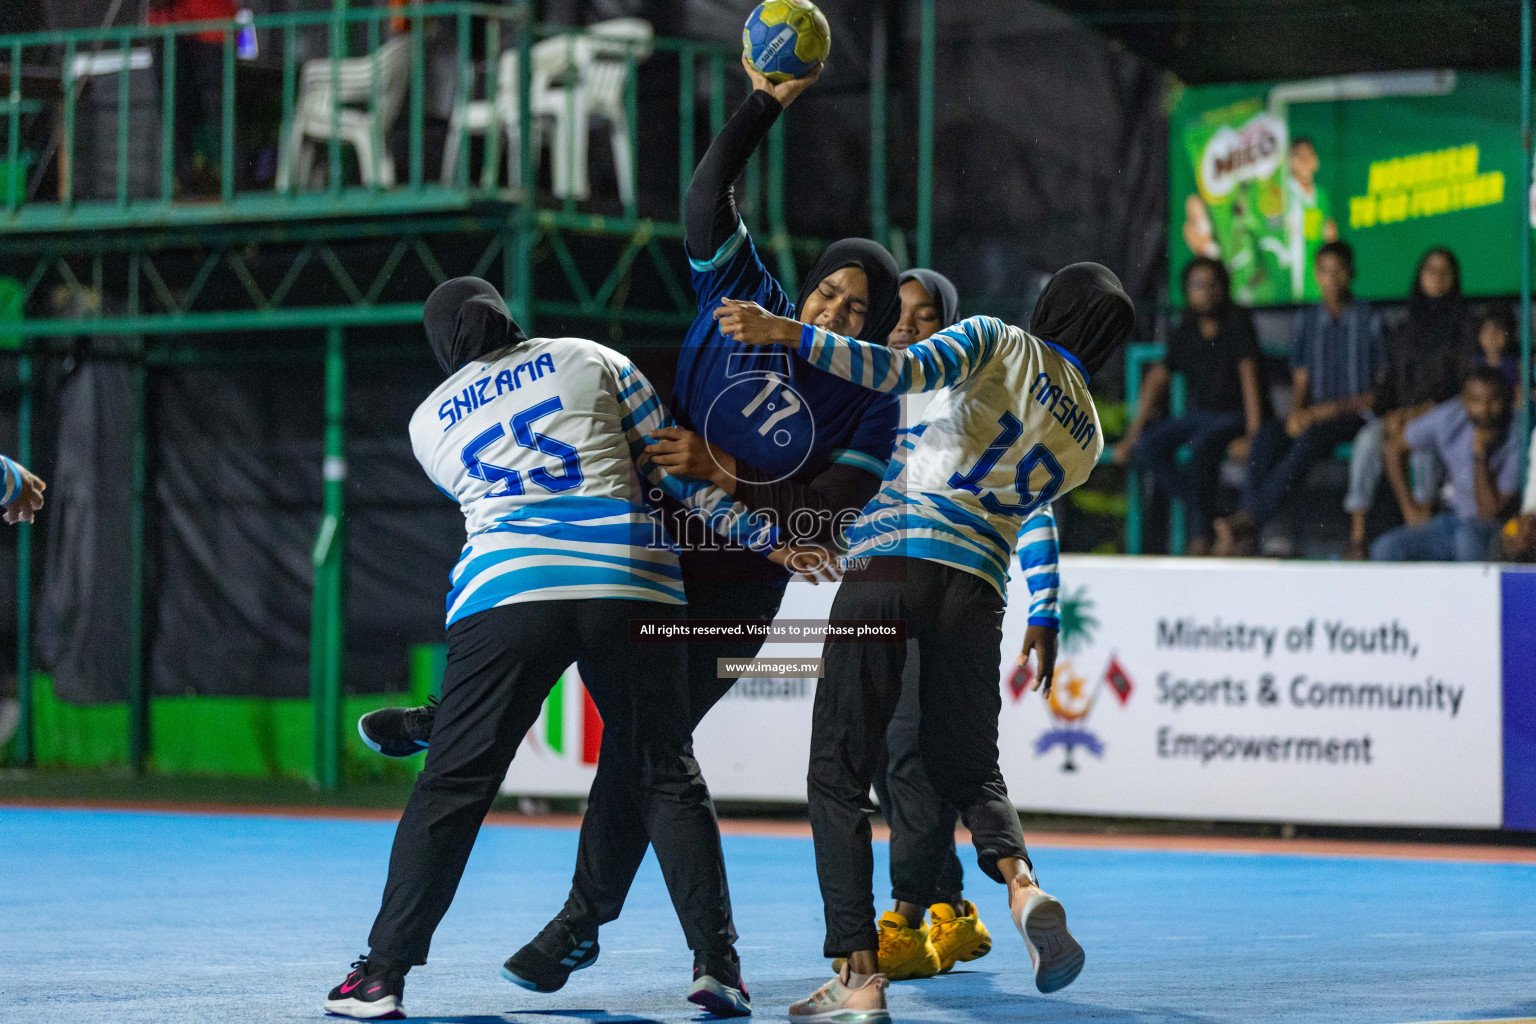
717, 985
371, 992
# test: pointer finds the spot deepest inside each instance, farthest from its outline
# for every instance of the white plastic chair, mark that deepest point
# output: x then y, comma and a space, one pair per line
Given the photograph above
573, 78
370, 93
602, 75
475, 117
551, 60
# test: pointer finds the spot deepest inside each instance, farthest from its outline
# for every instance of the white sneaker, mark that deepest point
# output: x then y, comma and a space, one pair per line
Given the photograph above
1057, 957
836, 1003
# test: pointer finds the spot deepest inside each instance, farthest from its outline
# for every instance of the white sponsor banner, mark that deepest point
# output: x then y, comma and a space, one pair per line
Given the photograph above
754, 745
1351, 694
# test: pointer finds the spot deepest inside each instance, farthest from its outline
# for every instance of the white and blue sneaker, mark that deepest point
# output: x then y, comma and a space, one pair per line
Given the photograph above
398, 732
1055, 954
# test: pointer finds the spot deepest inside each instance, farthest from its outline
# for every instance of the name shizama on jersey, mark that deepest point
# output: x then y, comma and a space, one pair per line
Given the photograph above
478, 392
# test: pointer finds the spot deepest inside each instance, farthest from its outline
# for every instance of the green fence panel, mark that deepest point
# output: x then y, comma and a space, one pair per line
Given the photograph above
247, 737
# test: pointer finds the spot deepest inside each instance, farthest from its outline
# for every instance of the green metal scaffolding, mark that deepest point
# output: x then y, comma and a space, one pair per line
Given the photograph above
77, 244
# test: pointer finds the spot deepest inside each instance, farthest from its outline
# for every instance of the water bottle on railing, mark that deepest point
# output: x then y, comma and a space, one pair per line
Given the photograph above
245, 37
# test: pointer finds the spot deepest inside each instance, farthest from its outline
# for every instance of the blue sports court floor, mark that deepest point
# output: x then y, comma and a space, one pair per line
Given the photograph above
156, 917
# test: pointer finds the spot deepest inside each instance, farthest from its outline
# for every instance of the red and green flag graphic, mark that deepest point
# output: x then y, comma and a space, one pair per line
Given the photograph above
591, 738
1118, 681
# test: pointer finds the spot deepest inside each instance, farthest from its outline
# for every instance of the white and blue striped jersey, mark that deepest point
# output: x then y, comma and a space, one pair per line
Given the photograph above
1015, 429
1039, 546
12, 483
543, 447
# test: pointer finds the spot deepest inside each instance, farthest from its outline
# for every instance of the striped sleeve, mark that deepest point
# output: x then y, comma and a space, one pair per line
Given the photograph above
859, 460
1528, 503
1039, 554
12, 480
643, 413
943, 360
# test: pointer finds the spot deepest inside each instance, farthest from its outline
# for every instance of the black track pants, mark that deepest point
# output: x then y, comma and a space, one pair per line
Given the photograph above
613, 836
502, 663
925, 869
956, 618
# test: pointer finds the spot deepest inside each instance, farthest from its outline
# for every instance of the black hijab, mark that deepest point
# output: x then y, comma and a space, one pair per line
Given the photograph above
1434, 324
1085, 311
884, 307
940, 289
1427, 359
465, 318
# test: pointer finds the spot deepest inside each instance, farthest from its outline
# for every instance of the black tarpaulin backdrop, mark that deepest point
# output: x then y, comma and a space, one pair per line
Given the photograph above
234, 510
82, 601
1050, 148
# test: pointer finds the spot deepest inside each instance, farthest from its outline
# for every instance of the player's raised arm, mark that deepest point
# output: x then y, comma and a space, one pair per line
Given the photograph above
944, 359
713, 228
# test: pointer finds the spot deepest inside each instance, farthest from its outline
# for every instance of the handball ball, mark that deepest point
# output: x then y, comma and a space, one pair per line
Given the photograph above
785, 39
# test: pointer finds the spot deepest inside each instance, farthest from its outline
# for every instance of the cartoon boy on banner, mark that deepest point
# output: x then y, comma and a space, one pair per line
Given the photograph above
1259, 207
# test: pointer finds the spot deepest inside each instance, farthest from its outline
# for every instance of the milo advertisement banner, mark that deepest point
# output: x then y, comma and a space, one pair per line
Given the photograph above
1263, 175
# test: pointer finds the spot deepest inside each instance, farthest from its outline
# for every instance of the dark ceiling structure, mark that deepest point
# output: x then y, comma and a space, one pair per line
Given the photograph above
1208, 41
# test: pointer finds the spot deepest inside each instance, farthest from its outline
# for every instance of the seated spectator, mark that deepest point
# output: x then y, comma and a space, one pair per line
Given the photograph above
1475, 439
1495, 343
1424, 368
1337, 352
1216, 347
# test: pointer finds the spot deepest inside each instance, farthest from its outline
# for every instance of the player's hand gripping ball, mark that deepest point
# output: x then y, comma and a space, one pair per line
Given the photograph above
786, 39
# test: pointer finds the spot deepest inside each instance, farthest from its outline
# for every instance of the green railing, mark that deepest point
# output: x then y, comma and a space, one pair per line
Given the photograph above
51, 222
49, 71
57, 66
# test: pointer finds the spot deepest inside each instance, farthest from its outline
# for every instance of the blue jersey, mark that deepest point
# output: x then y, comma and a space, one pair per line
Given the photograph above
766, 408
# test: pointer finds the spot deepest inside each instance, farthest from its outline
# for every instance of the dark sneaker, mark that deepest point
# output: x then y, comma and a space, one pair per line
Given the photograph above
717, 985
370, 992
398, 732
545, 963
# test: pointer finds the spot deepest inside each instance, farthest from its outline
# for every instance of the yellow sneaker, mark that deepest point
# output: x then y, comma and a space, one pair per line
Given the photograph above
957, 934
905, 953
